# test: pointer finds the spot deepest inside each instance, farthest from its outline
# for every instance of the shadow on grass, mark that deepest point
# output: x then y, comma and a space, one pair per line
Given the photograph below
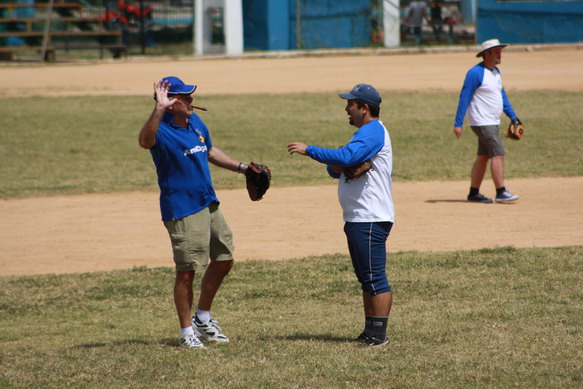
312, 337
172, 342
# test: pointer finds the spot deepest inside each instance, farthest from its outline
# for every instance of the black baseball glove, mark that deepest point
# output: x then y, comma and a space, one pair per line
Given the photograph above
258, 179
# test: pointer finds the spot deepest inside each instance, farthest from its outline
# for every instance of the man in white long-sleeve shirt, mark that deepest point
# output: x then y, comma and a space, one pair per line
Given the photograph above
484, 98
367, 204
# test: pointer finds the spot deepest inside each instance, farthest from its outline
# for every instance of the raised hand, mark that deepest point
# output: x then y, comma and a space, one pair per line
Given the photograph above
161, 93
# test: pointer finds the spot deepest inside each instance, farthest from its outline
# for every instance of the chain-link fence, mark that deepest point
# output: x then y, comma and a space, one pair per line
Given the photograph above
166, 27
151, 27
88, 28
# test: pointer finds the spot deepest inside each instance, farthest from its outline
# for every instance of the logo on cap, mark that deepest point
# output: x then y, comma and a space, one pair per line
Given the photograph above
363, 92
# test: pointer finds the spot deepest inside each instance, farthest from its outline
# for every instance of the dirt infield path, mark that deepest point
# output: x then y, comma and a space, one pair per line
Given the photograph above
522, 70
100, 232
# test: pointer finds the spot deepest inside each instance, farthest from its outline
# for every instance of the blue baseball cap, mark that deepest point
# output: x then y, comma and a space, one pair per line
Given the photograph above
364, 92
177, 87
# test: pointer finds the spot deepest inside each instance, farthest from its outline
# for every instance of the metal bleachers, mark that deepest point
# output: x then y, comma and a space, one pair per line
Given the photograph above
48, 26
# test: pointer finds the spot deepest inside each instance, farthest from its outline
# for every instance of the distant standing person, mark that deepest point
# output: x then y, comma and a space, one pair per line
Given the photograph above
436, 19
484, 96
181, 148
451, 15
414, 20
367, 203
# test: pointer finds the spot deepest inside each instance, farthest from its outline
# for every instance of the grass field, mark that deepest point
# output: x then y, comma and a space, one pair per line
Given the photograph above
491, 319
85, 145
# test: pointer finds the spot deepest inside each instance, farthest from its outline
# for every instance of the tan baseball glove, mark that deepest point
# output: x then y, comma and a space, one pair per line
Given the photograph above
515, 129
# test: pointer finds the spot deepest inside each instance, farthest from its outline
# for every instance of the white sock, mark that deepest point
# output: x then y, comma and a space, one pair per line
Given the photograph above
203, 316
187, 331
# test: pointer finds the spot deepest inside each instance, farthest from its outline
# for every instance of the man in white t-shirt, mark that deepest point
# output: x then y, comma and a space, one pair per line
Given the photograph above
484, 98
367, 204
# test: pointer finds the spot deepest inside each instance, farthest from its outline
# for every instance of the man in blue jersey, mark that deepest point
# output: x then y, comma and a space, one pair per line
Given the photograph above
484, 98
367, 204
181, 148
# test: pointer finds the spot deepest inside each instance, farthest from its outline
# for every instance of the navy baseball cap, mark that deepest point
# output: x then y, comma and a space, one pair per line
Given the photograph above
177, 87
364, 92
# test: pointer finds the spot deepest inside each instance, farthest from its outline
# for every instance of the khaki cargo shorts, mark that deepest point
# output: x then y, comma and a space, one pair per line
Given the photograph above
489, 142
200, 236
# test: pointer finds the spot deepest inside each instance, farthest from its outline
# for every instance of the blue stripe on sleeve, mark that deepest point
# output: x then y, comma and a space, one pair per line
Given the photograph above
365, 143
473, 80
507, 107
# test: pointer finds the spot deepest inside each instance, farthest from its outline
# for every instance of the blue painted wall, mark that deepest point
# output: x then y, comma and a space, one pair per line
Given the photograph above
265, 25
530, 22
271, 24
468, 9
332, 24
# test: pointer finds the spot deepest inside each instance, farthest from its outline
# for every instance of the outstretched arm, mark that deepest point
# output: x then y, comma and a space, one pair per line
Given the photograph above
300, 148
297, 147
147, 137
219, 158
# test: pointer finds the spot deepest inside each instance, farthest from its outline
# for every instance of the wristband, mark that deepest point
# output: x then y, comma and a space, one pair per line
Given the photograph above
241, 168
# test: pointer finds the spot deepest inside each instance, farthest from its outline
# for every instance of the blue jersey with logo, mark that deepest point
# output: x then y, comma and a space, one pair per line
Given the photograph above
181, 159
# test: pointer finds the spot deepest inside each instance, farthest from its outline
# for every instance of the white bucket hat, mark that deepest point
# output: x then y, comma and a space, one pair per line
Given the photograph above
490, 44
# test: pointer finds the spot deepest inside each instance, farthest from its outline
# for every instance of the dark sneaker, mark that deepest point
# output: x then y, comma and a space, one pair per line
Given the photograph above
209, 331
506, 196
361, 338
479, 198
371, 341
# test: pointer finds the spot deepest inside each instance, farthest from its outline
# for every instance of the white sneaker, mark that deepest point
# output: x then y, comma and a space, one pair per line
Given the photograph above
209, 331
191, 341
